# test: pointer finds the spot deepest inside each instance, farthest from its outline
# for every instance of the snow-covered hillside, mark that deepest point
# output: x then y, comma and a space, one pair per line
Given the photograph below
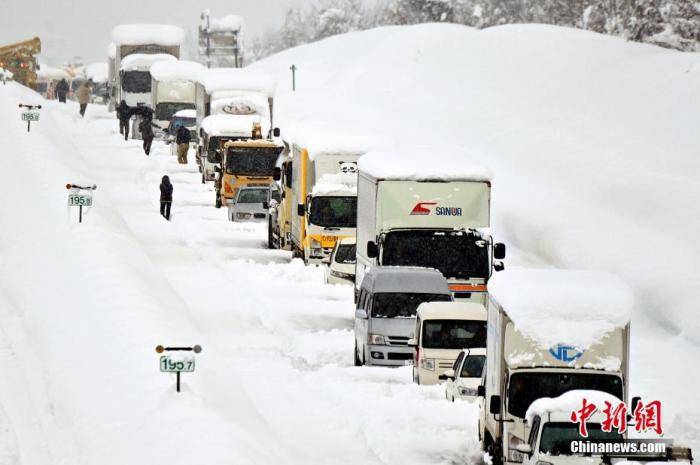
592, 145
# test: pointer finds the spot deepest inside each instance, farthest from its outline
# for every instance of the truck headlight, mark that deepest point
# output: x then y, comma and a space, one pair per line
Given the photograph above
467, 391
242, 216
428, 364
376, 339
514, 455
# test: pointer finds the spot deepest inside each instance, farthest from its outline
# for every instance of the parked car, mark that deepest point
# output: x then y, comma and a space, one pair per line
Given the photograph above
386, 312
251, 203
442, 330
342, 263
464, 378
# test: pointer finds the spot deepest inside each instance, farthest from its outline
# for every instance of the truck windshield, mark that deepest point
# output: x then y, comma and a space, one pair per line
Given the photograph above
453, 334
525, 388
252, 161
556, 438
402, 305
166, 110
337, 212
345, 254
454, 253
473, 366
252, 196
137, 82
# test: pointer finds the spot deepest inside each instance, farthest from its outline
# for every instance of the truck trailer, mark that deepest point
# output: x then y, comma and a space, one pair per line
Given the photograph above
549, 332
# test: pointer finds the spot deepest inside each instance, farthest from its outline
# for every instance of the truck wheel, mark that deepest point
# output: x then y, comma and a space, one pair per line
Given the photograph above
358, 362
270, 244
496, 453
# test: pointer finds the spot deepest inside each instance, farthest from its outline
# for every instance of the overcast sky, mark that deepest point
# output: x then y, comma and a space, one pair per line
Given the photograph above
70, 28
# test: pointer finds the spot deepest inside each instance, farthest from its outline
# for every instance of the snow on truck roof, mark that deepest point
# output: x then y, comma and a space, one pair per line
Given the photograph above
229, 125
451, 311
423, 164
143, 61
218, 79
97, 72
178, 70
320, 139
551, 305
240, 103
186, 113
568, 402
405, 279
341, 184
142, 34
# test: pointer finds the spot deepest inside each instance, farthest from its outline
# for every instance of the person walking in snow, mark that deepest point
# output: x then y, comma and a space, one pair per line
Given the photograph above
146, 129
124, 115
83, 96
166, 197
62, 90
182, 138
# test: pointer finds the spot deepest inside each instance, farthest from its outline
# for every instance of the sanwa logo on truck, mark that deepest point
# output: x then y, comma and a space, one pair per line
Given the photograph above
423, 208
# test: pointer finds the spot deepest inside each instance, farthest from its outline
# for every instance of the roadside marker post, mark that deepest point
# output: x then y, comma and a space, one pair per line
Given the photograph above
177, 366
294, 77
76, 199
30, 114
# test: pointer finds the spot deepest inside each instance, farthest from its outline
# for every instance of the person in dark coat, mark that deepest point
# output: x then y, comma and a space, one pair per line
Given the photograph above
166, 197
182, 139
62, 90
124, 114
146, 128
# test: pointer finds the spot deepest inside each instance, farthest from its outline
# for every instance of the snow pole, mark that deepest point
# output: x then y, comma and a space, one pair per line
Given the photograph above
294, 80
177, 365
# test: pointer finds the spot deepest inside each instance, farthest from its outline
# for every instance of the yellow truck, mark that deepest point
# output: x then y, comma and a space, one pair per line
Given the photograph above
247, 162
19, 58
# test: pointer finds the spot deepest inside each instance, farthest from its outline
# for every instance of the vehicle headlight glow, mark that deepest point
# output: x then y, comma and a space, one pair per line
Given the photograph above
242, 215
467, 391
376, 339
428, 364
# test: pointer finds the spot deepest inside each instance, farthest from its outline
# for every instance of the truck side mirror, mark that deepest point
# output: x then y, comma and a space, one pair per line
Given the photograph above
301, 211
276, 132
372, 249
266, 205
412, 343
499, 251
481, 391
449, 374
499, 266
277, 173
524, 449
495, 405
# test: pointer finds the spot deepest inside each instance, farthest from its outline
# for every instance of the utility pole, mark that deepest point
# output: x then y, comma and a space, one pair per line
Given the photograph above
294, 80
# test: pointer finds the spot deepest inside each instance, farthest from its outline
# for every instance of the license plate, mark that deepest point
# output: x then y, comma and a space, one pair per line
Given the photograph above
172, 365
79, 200
30, 116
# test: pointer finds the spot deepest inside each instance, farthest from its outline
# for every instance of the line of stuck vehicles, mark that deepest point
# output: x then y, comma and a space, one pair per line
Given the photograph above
410, 229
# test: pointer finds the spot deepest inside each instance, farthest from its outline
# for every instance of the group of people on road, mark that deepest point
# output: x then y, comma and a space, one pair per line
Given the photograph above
82, 94
145, 127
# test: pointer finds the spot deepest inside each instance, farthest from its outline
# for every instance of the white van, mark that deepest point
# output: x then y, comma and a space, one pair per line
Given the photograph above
443, 329
386, 312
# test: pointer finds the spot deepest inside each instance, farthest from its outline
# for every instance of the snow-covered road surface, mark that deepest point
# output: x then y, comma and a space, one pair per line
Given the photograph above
88, 303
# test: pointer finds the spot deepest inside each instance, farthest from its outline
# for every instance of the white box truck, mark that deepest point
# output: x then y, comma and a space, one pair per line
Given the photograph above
427, 208
549, 332
172, 88
133, 79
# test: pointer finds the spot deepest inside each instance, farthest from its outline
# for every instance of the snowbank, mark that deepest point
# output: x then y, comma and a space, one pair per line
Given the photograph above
97, 72
141, 34
550, 305
143, 61
229, 125
228, 23
176, 70
343, 184
321, 139
218, 79
7, 74
568, 402
593, 139
423, 164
